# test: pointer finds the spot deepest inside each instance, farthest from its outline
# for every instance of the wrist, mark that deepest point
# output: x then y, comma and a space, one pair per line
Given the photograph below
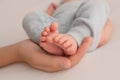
17, 52
9, 55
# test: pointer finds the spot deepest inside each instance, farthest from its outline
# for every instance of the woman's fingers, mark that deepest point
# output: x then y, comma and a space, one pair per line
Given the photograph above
32, 54
49, 63
52, 65
81, 51
37, 58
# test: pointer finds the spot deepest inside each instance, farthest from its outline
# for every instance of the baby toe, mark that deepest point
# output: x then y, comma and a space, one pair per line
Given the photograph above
67, 44
43, 39
62, 40
47, 29
44, 33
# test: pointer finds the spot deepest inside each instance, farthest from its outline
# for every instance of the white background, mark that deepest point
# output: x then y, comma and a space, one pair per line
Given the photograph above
102, 64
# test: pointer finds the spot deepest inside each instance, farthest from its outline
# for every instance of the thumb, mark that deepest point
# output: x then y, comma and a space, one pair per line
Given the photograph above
81, 51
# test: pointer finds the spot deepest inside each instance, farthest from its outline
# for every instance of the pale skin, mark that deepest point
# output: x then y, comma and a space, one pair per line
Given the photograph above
54, 42
30, 53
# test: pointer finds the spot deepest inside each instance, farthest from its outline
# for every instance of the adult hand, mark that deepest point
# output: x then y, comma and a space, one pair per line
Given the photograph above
82, 50
32, 54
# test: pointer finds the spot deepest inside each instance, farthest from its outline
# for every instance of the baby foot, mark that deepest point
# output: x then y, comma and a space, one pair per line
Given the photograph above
51, 9
67, 43
49, 46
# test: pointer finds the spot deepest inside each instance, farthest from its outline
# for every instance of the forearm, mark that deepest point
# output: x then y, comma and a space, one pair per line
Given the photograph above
9, 55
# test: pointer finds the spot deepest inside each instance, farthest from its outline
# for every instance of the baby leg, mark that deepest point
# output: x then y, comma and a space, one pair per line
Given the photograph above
34, 24
90, 21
